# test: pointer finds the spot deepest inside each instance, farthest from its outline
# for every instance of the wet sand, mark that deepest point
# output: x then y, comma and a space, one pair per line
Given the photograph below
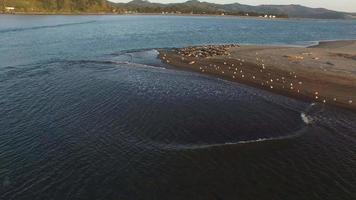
324, 73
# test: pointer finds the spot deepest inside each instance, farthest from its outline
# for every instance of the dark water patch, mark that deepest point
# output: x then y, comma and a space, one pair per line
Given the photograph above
97, 125
177, 111
268, 170
43, 27
89, 63
103, 130
45, 67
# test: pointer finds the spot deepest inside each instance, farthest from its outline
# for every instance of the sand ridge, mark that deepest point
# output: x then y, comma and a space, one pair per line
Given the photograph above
324, 73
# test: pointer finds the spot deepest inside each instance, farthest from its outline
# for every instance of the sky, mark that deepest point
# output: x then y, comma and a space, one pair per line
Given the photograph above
339, 5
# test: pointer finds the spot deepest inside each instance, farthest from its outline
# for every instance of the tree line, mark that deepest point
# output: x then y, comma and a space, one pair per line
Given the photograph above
57, 5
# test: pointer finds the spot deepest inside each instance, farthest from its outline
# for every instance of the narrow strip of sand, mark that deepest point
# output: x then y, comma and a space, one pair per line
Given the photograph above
324, 73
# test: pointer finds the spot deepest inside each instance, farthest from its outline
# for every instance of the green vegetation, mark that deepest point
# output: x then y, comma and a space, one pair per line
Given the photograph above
57, 6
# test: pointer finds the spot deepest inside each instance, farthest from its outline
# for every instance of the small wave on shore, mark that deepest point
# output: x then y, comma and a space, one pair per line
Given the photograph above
306, 116
226, 144
309, 115
147, 57
307, 119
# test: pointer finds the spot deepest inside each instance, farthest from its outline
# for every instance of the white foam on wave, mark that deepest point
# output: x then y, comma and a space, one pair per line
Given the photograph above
205, 146
141, 58
143, 65
306, 119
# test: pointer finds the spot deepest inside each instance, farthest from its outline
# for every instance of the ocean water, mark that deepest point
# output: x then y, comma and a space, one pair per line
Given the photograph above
88, 112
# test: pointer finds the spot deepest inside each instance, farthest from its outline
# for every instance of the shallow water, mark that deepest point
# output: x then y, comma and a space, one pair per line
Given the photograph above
88, 112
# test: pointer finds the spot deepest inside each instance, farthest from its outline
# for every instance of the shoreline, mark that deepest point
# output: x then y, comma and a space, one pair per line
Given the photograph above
169, 14
323, 73
142, 14
57, 14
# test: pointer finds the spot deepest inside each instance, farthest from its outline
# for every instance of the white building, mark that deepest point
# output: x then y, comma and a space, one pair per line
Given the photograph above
9, 9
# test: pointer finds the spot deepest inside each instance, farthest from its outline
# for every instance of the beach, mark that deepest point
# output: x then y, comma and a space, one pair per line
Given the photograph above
324, 73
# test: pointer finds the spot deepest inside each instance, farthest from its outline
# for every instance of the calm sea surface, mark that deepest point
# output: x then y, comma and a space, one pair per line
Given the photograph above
88, 112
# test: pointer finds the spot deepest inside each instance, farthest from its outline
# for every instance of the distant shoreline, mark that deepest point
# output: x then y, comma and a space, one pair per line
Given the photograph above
141, 14
159, 14
54, 14
323, 73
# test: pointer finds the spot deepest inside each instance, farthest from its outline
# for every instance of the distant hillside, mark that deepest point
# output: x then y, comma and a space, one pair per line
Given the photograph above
298, 11
197, 7
189, 7
57, 5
